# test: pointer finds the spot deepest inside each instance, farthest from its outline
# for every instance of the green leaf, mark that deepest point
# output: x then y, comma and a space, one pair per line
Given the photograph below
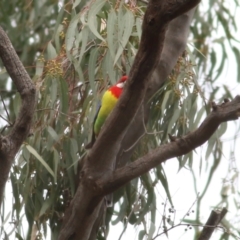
51, 51
237, 56
92, 68
151, 231
223, 60
53, 91
165, 99
141, 234
211, 144
139, 27
56, 160
63, 95
121, 214
53, 133
147, 182
79, 71
108, 66
71, 33
222, 129
199, 116
38, 157
128, 22
84, 32
162, 177
46, 205
174, 118
111, 32
73, 152
76, 2
92, 15
39, 68
58, 29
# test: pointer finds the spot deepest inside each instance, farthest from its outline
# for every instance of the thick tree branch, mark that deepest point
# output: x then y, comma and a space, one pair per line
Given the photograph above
221, 113
100, 160
155, 24
9, 145
174, 45
214, 219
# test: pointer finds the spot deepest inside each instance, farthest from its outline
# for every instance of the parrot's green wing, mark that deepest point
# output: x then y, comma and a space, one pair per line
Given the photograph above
93, 139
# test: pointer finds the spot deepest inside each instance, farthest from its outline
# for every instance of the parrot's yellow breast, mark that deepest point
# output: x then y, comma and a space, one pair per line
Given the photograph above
108, 103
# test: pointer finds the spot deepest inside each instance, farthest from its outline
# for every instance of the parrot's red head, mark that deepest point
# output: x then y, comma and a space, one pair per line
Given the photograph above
121, 82
116, 90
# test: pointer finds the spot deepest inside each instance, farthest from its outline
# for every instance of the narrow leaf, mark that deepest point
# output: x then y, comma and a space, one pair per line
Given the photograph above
38, 157
63, 95
128, 21
85, 32
151, 231
92, 14
92, 66
71, 33
51, 51
111, 32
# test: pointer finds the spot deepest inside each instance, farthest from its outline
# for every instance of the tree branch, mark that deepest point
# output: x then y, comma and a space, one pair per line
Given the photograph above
101, 158
155, 24
9, 145
227, 111
174, 45
214, 219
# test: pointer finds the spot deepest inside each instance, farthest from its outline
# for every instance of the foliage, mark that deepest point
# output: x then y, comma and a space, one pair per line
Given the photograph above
78, 49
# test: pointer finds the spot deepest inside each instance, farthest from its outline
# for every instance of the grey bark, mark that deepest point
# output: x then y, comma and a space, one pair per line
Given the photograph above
80, 217
10, 144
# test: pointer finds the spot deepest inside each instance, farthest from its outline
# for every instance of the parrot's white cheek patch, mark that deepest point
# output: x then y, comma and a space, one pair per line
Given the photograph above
120, 85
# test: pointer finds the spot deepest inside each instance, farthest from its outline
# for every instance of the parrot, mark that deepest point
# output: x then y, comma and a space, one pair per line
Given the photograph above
108, 102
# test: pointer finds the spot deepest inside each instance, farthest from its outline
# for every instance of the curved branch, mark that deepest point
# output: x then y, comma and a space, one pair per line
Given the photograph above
101, 158
227, 111
9, 145
174, 45
155, 24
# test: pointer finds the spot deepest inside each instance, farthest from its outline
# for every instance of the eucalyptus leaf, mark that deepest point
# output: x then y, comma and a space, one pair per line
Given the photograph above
39, 158
92, 15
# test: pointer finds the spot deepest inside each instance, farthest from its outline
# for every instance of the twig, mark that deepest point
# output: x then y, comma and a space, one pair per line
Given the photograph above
51, 109
6, 120
190, 208
145, 132
5, 107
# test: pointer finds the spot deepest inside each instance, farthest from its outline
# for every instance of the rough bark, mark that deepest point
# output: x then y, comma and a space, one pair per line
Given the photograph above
10, 144
84, 208
174, 45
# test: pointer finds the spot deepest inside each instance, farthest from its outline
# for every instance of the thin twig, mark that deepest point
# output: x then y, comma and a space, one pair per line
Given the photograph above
6, 120
5, 107
145, 132
190, 208
51, 109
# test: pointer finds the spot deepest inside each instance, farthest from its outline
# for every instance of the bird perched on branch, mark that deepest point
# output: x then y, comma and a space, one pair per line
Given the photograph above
109, 100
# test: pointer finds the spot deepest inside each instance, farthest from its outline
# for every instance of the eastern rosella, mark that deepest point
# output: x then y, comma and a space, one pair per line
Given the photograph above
109, 100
